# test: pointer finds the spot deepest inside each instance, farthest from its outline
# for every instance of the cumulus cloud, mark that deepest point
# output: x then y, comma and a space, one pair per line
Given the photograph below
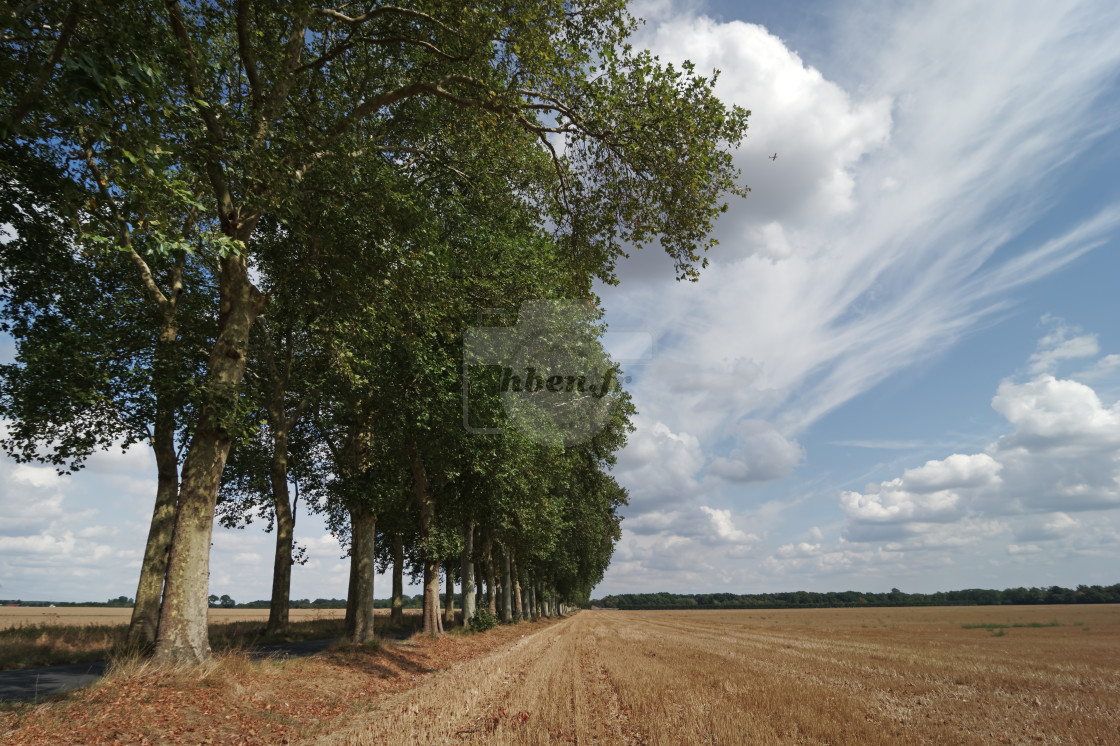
958, 470
1049, 412
761, 453
724, 527
659, 466
1059, 458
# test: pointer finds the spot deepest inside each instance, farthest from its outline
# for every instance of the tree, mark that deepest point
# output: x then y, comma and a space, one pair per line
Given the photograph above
103, 356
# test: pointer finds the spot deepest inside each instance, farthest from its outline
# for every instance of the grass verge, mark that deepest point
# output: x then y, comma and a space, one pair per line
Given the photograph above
34, 645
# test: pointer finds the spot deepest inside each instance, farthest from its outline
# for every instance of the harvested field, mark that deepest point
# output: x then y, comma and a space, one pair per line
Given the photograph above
972, 675
70, 616
835, 676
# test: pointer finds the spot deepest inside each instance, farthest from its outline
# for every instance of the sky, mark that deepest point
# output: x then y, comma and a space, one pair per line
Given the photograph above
901, 368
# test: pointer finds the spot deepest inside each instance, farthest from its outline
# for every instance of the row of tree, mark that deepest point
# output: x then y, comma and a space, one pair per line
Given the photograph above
253, 235
1083, 594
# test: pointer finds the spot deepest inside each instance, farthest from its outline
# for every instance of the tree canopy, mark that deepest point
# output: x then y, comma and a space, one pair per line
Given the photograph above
265, 228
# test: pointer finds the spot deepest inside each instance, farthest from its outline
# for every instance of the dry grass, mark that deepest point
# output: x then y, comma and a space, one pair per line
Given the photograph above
80, 616
80, 639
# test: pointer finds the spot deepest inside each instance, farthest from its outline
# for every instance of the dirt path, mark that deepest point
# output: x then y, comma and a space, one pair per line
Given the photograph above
548, 687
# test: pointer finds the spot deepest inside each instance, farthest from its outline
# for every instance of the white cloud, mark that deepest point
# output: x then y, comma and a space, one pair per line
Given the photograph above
659, 466
954, 472
760, 453
891, 224
36, 476
724, 527
1106, 366
892, 503
1059, 458
1063, 343
1047, 410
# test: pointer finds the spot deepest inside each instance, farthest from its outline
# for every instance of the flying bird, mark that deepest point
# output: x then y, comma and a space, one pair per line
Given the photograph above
774, 157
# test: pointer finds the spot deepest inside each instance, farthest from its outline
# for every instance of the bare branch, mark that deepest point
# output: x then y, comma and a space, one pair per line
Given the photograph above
383, 10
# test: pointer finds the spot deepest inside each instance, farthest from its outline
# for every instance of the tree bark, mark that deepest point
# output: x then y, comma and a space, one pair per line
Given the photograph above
149, 592
507, 587
533, 602
285, 535
182, 635
449, 598
426, 503
488, 567
515, 588
433, 624
359, 605
281, 424
396, 612
467, 570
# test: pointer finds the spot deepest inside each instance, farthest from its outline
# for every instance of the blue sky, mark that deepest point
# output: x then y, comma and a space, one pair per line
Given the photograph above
898, 369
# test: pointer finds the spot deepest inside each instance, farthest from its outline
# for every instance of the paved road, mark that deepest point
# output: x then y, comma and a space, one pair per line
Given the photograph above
32, 683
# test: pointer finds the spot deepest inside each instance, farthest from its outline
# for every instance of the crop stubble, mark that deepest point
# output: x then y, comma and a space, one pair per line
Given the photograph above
835, 676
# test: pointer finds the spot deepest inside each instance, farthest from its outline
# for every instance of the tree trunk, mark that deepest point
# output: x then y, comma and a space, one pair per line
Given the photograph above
281, 425
488, 566
426, 503
285, 532
157, 552
359, 605
396, 612
515, 587
533, 602
433, 624
449, 598
466, 567
507, 588
149, 592
182, 635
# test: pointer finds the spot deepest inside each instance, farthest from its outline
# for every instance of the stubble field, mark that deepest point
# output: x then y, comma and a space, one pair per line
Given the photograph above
828, 676
976, 675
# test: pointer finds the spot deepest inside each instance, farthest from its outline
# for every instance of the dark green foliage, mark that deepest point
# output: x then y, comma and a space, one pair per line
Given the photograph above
483, 620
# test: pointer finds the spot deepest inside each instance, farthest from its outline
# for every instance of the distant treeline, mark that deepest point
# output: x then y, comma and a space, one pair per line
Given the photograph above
119, 602
410, 602
1083, 594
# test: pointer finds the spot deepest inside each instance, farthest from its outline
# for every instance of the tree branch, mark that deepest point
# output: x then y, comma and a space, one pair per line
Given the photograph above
124, 236
245, 47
